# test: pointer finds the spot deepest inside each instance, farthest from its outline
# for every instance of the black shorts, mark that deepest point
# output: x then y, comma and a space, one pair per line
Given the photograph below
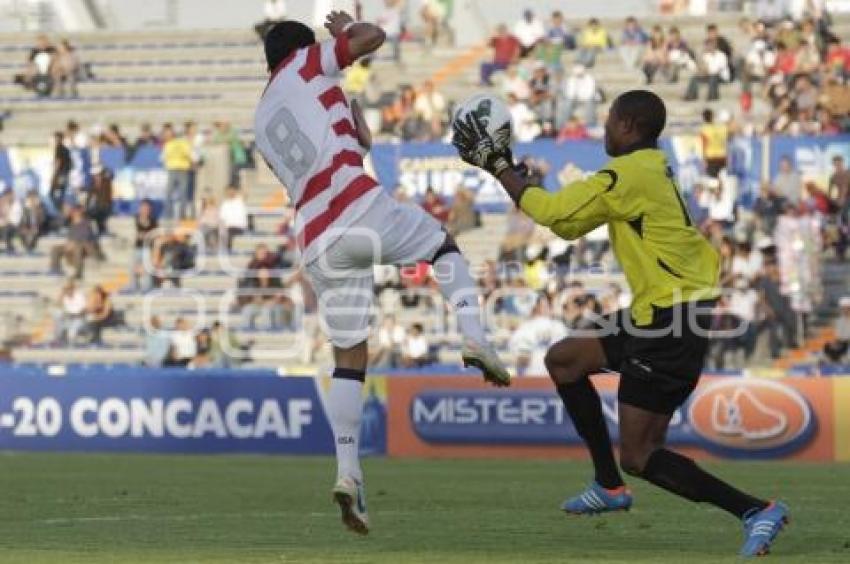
660, 363
714, 166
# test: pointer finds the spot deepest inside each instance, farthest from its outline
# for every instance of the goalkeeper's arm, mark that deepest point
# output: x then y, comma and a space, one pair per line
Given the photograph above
571, 212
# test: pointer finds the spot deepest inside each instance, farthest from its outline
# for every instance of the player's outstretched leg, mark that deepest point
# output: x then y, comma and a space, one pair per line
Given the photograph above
345, 410
642, 454
569, 363
458, 287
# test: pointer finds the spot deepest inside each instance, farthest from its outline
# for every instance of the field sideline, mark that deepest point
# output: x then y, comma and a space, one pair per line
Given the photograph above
135, 508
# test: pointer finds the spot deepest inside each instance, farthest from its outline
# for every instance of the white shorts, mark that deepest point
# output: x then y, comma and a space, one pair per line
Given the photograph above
388, 233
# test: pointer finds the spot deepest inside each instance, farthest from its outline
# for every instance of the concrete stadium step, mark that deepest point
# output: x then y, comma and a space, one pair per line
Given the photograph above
38, 265
198, 319
266, 340
34, 280
249, 242
23, 103
23, 262
164, 65
244, 83
28, 127
118, 39
82, 354
169, 300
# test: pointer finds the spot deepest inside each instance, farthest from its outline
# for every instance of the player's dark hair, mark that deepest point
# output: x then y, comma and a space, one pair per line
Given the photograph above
284, 38
645, 110
707, 115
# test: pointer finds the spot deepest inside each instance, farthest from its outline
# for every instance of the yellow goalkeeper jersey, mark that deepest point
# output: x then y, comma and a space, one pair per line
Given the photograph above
665, 258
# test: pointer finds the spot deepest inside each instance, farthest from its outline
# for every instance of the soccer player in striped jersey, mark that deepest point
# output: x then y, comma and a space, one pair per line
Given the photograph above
315, 140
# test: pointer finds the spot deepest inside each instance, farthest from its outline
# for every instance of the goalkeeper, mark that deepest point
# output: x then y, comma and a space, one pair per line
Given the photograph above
659, 344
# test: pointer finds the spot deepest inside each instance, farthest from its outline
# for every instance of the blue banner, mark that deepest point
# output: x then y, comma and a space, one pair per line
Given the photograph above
143, 177
735, 418
745, 163
80, 176
146, 411
413, 167
7, 176
810, 156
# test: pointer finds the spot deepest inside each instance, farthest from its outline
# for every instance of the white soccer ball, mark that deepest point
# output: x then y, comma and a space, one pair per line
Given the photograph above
492, 112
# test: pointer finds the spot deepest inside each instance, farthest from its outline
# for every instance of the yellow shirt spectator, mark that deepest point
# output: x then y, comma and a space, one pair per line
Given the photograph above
715, 136
177, 154
356, 79
535, 274
593, 36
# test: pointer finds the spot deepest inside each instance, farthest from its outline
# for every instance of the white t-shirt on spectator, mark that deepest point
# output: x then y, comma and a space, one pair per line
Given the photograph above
42, 62
533, 338
842, 328
524, 123
742, 303
184, 344
722, 206
716, 64
580, 88
233, 213
16, 212
760, 58
427, 106
392, 338
75, 304
416, 347
748, 267
529, 33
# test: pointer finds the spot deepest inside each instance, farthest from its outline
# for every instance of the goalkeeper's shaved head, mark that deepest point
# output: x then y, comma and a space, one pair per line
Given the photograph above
635, 120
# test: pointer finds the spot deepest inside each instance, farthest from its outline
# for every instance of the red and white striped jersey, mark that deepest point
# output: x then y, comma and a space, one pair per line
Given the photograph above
304, 129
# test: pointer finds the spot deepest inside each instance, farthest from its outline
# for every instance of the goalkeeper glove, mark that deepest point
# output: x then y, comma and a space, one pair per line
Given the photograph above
476, 147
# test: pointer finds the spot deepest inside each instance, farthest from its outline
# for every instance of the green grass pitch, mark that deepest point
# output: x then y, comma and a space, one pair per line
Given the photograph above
136, 508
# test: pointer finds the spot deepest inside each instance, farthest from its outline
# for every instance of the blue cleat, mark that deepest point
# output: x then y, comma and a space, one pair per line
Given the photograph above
596, 499
761, 528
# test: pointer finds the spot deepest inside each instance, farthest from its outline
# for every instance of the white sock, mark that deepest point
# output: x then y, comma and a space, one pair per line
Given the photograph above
457, 286
345, 408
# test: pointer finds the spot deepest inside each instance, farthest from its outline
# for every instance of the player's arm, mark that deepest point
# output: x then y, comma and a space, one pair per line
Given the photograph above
572, 211
363, 38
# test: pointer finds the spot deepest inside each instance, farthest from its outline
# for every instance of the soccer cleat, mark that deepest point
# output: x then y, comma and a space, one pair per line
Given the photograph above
350, 495
761, 528
487, 361
596, 499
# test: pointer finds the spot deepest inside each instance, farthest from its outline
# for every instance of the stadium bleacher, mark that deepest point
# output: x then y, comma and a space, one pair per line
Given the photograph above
157, 76
161, 76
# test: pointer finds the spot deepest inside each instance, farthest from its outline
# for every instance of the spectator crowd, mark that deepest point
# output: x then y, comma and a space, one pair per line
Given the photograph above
791, 70
770, 244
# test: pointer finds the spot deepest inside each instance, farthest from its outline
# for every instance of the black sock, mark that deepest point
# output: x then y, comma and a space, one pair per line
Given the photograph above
585, 409
350, 374
680, 475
